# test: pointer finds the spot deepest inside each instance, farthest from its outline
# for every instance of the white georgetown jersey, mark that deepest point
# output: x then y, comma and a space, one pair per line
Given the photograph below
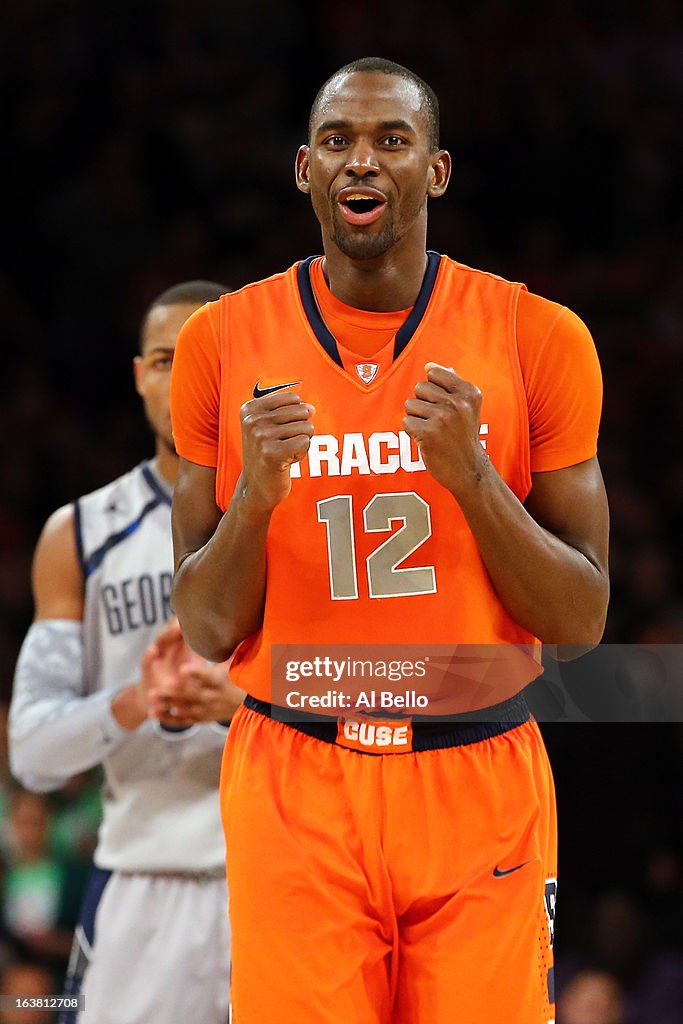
161, 809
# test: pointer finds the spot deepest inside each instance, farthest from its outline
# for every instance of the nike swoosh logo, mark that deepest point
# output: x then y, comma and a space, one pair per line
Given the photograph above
502, 872
262, 392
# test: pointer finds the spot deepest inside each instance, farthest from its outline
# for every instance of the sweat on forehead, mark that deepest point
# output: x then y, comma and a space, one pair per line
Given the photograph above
412, 90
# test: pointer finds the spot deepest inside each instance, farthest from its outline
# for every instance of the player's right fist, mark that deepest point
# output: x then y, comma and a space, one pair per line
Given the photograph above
276, 432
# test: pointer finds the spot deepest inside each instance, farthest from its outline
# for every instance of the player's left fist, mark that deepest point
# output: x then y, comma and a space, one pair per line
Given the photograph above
443, 418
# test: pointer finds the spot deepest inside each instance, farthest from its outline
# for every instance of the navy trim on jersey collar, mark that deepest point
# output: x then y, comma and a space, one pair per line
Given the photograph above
406, 332
322, 331
95, 560
155, 486
403, 336
78, 527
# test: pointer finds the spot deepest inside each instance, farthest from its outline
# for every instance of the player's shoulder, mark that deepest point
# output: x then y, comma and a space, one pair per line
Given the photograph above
131, 481
58, 528
266, 285
112, 513
80, 524
116, 494
455, 270
56, 573
205, 328
540, 319
63, 519
113, 507
535, 314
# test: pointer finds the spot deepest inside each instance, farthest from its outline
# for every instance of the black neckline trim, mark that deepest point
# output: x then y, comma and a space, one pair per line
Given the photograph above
154, 485
320, 328
95, 560
406, 332
403, 335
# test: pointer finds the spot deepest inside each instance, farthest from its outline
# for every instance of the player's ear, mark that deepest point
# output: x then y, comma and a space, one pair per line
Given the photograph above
439, 173
301, 168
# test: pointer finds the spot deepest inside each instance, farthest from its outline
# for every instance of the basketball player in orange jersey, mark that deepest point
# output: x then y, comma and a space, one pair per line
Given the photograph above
356, 502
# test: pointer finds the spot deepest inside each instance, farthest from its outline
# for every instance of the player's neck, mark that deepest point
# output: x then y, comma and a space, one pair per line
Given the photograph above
166, 462
382, 285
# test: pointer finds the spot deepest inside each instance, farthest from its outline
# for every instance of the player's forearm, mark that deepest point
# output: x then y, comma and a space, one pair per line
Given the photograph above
52, 739
55, 729
219, 590
547, 586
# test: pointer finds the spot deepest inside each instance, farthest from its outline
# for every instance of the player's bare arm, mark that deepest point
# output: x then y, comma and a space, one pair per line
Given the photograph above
59, 594
548, 559
220, 560
57, 575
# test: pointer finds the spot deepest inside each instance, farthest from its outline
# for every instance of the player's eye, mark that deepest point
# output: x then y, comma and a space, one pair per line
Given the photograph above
393, 141
162, 363
335, 140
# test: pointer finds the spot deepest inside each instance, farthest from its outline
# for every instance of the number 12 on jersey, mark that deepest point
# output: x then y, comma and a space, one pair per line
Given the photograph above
385, 578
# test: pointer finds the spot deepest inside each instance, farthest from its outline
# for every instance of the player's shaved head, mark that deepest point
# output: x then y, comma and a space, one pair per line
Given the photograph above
185, 293
379, 65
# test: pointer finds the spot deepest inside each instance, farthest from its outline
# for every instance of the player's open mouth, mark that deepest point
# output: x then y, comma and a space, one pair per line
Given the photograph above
361, 207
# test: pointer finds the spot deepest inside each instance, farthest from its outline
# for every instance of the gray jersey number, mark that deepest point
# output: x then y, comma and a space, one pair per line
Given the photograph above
385, 578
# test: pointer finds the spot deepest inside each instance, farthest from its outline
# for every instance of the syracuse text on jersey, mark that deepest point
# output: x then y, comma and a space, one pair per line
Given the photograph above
385, 451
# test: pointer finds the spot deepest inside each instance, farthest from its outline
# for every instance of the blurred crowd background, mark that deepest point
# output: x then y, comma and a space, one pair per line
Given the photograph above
146, 144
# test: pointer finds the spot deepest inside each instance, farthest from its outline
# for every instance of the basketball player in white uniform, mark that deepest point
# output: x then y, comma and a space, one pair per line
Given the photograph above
153, 939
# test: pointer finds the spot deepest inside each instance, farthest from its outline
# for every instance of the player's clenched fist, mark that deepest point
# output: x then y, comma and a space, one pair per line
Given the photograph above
276, 432
443, 419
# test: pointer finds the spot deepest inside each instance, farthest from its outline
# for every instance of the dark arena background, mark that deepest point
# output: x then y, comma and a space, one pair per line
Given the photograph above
149, 143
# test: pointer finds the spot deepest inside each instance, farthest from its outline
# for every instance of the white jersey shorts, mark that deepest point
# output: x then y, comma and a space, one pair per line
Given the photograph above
161, 952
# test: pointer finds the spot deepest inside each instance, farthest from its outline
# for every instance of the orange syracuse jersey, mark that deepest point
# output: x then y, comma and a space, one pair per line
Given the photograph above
368, 547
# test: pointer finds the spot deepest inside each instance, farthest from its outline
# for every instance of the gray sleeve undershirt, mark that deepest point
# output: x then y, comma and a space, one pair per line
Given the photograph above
55, 729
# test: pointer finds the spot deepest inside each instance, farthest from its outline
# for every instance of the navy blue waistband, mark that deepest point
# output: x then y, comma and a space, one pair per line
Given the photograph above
428, 733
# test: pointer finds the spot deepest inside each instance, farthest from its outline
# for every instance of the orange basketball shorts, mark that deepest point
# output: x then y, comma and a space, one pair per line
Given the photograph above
398, 888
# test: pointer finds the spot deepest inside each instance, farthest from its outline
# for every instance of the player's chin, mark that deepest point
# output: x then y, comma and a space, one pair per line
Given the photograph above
361, 243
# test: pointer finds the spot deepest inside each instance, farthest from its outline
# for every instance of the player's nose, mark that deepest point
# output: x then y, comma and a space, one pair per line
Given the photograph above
361, 160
